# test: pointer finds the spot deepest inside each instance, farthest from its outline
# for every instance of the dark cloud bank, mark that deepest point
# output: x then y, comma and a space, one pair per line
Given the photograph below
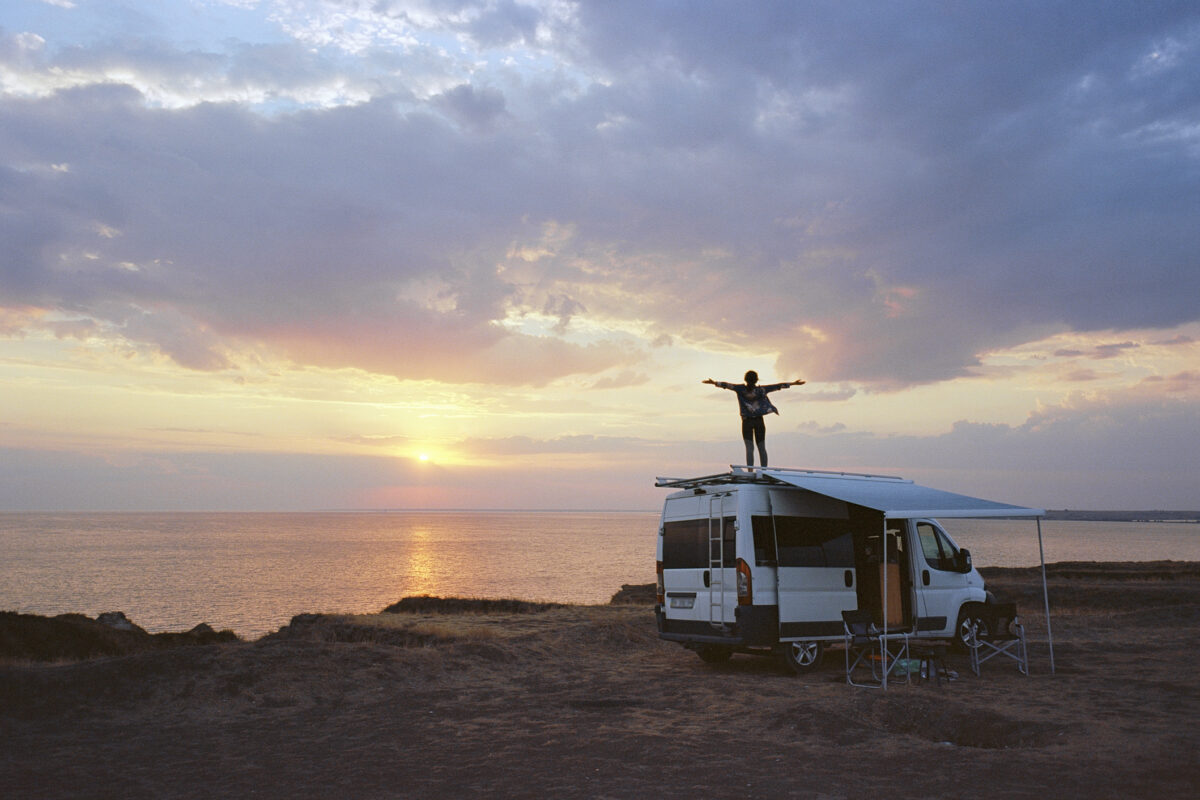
920, 183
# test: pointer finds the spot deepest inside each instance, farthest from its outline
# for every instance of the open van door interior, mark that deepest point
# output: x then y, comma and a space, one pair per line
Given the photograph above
891, 573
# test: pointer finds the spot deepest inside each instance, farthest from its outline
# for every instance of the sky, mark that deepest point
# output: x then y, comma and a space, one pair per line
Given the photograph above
334, 254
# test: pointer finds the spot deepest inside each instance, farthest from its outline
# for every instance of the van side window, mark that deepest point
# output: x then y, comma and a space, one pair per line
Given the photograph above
839, 551
685, 543
814, 542
939, 553
764, 541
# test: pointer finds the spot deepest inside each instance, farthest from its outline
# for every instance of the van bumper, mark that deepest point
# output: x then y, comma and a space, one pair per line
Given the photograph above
754, 626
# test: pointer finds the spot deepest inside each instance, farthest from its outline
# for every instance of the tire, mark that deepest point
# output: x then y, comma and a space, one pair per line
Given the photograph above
714, 653
968, 618
803, 657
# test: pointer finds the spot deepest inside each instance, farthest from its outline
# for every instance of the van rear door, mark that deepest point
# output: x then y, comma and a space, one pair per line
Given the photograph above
698, 549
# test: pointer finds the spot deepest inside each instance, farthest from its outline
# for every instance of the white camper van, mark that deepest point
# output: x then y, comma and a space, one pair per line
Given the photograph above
765, 560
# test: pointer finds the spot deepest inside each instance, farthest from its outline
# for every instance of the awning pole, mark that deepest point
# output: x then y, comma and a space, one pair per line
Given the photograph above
1045, 594
883, 645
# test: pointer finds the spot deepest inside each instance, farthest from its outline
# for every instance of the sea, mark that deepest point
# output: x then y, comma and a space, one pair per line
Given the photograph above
252, 572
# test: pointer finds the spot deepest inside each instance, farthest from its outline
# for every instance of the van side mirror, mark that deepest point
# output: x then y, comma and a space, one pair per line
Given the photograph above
964, 560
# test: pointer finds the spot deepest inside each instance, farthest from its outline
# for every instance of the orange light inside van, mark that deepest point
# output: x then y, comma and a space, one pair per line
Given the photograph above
745, 585
660, 589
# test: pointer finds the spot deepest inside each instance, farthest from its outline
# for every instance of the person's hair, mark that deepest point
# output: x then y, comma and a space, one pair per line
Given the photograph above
751, 377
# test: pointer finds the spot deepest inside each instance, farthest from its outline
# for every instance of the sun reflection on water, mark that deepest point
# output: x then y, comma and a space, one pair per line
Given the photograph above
418, 573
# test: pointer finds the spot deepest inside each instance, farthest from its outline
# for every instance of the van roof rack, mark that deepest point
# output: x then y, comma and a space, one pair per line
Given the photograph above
750, 474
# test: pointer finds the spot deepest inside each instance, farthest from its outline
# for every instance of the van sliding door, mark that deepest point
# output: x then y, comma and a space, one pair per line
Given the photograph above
814, 553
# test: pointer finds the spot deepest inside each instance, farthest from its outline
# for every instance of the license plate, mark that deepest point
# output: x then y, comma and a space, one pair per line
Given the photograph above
683, 602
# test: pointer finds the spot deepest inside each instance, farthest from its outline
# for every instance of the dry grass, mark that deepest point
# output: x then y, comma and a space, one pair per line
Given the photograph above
405, 631
587, 702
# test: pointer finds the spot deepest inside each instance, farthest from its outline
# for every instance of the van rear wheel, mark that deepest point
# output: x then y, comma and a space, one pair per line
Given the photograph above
714, 653
802, 657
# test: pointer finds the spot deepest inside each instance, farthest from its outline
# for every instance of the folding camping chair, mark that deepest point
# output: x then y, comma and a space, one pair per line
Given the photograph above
865, 645
998, 632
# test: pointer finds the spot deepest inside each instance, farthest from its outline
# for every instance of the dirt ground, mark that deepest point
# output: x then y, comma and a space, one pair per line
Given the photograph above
587, 702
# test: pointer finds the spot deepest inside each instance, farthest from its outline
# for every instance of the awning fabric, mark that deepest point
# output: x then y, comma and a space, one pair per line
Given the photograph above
898, 498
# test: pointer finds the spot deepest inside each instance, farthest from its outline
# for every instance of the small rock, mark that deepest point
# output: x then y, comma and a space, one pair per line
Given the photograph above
116, 619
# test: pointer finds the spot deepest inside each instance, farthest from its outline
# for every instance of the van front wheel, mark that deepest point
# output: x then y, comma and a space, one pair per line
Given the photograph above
968, 621
802, 657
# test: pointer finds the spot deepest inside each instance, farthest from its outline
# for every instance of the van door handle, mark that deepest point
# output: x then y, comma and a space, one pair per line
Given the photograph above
707, 579
849, 578
925, 577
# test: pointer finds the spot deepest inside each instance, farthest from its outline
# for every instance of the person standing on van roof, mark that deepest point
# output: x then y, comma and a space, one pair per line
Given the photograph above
754, 405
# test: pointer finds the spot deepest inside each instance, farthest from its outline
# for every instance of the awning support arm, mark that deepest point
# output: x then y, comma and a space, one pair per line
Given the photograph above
1045, 594
883, 644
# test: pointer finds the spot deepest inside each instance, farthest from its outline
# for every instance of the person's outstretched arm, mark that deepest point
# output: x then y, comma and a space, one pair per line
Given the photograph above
718, 384
774, 387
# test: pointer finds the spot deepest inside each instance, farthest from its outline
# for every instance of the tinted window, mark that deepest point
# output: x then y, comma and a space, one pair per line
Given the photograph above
764, 541
839, 551
811, 542
686, 543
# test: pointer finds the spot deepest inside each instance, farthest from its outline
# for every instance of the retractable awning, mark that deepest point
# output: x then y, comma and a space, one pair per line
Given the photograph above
897, 498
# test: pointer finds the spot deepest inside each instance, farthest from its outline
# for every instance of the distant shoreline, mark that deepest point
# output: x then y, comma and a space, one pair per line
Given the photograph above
1123, 516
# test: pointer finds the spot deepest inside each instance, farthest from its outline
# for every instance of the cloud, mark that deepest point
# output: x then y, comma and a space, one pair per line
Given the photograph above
830, 396
1113, 350
1085, 453
819, 429
1185, 383
622, 380
561, 445
881, 196
377, 441
240, 249
32, 480
478, 110
441, 350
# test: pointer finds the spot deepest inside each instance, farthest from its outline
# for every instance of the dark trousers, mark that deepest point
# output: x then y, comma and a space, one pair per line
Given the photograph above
754, 430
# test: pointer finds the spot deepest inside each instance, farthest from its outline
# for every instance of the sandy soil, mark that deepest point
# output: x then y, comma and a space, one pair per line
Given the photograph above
587, 702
